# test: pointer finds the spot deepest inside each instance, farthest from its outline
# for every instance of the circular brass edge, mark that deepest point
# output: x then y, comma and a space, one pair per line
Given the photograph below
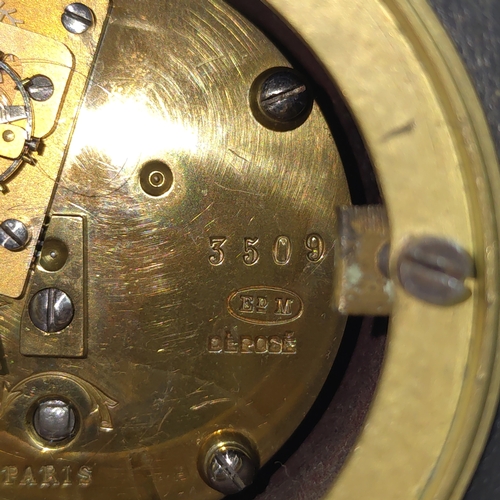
433, 153
148, 170
54, 255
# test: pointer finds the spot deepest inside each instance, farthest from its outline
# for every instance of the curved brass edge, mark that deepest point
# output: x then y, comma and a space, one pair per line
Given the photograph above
475, 414
432, 150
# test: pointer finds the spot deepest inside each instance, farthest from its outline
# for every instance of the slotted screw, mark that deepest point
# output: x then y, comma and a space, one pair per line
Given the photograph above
40, 88
77, 18
230, 470
283, 99
434, 270
54, 420
51, 310
14, 235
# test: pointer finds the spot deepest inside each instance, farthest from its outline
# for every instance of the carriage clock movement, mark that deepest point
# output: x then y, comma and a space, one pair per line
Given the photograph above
179, 251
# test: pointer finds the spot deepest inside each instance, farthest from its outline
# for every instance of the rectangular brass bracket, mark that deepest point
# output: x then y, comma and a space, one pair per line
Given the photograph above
361, 287
71, 279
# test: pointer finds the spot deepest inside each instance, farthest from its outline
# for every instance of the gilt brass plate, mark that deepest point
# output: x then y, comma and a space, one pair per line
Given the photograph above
35, 42
208, 295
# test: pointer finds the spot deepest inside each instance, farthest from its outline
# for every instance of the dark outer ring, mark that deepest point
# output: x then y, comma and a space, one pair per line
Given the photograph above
306, 466
311, 460
474, 26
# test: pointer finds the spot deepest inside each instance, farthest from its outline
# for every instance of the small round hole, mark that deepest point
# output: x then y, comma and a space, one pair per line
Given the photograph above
156, 178
54, 255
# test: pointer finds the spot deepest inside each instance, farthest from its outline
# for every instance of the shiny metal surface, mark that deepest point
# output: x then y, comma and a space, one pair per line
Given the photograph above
14, 235
10, 114
199, 248
77, 18
436, 271
51, 310
361, 287
281, 99
40, 88
228, 462
37, 44
54, 319
426, 134
54, 420
205, 306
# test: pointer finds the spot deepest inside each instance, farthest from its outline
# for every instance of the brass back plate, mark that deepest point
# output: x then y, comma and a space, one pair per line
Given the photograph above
210, 306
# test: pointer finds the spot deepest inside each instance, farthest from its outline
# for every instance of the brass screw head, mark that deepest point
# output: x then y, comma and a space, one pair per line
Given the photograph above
8, 136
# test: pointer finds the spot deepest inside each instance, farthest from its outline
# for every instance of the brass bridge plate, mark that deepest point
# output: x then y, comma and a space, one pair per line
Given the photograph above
35, 42
209, 304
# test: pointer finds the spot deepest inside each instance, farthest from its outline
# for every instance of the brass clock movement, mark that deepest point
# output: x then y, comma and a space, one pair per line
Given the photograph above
180, 250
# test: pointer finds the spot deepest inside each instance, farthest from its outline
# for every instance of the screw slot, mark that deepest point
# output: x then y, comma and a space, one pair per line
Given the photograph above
40, 88
435, 270
14, 235
281, 99
228, 462
51, 310
77, 18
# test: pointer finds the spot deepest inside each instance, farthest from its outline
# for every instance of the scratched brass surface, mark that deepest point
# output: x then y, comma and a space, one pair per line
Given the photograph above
34, 54
432, 151
362, 285
33, 33
210, 305
66, 233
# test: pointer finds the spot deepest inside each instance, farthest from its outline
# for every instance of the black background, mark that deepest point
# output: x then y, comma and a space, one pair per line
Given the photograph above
474, 25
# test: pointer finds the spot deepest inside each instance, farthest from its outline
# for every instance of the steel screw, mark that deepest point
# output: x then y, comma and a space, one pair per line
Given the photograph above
283, 99
40, 88
54, 421
14, 235
230, 470
434, 270
77, 18
51, 310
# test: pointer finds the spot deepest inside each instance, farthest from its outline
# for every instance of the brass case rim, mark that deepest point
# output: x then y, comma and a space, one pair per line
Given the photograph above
453, 436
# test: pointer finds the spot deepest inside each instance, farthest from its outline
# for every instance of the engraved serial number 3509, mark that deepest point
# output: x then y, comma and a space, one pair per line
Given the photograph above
281, 252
